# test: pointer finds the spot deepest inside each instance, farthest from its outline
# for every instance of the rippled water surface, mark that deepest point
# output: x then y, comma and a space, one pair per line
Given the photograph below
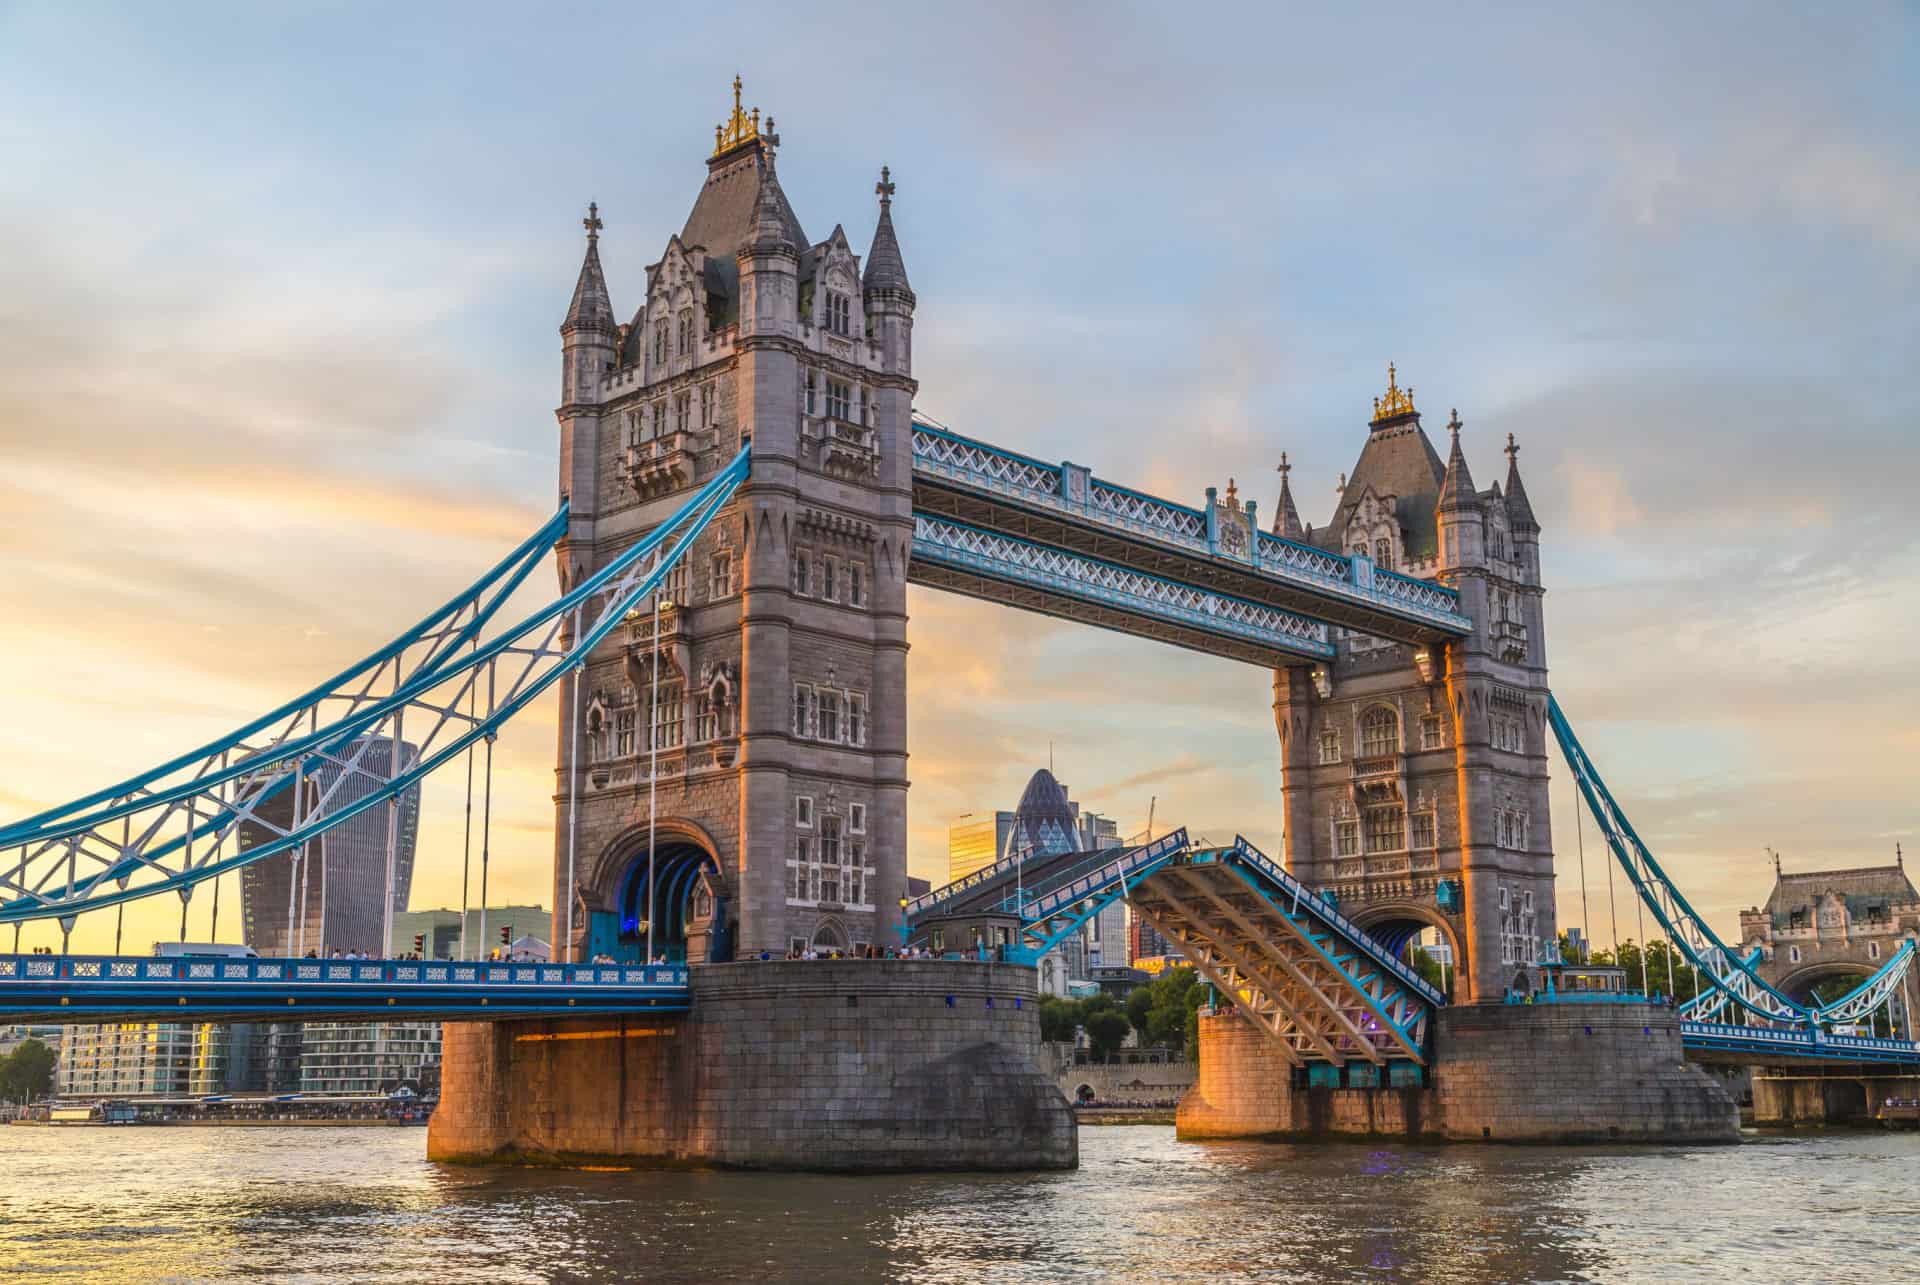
327, 1205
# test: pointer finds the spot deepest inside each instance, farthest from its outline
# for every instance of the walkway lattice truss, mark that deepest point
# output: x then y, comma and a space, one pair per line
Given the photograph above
441, 687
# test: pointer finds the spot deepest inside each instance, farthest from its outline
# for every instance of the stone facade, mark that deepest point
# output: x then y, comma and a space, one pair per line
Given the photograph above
1415, 780
851, 1065
781, 781
1825, 927
1537, 1073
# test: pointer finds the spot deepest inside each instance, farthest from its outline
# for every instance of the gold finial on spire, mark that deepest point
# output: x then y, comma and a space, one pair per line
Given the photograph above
1398, 401
1233, 495
592, 222
739, 127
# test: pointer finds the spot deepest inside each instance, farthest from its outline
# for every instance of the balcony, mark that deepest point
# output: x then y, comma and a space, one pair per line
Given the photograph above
1376, 779
1509, 639
660, 465
843, 447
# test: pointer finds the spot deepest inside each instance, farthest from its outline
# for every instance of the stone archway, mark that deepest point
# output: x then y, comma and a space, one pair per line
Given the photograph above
830, 935
628, 893
1396, 923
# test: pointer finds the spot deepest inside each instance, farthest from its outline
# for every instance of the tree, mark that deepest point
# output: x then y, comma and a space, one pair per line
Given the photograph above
1058, 1017
27, 1072
1106, 1031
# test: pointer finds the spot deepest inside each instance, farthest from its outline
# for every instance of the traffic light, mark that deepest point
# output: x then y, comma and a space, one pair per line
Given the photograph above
506, 934
419, 943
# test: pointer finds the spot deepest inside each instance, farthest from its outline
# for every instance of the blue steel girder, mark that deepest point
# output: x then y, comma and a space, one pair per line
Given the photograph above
1775, 1044
1065, 508
173, 838
1056, 910
1314, 982
1730, 973
1018, 573
87, 988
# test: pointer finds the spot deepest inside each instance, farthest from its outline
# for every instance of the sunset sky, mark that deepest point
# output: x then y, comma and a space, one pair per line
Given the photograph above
280, 293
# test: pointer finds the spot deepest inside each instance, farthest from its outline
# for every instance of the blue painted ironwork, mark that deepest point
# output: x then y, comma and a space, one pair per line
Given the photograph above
93, 988
1719, 966
1021, 562
1794, 1042
1068, 491
80, 861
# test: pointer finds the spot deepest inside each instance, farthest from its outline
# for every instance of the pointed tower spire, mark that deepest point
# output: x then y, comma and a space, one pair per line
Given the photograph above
1456, 488
1519, 509
1286, 518
770, 213
592, 307
886, 270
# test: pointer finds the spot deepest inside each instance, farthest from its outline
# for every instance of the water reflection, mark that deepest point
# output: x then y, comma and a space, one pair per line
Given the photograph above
361, 1204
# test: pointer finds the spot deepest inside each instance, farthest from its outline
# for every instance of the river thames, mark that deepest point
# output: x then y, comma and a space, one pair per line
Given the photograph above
333, 1205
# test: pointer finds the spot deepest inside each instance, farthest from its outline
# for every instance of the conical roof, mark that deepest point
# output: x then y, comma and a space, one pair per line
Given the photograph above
1456, 486
592, 307
1286, 518
1519, 508
886, 270
773, 221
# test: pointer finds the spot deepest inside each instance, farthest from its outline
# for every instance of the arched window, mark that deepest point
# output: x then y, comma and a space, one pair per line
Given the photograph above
1383, 554
1379, 732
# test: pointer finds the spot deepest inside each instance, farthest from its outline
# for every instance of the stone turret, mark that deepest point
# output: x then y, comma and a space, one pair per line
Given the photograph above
889, 299
1286, 518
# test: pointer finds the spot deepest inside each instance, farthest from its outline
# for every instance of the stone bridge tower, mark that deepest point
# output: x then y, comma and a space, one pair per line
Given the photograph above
1416, 780
778, 806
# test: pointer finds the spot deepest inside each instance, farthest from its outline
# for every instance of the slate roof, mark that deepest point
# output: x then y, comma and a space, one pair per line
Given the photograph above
1401, 462
591, 306
886, 270
1519, 508
1861, 888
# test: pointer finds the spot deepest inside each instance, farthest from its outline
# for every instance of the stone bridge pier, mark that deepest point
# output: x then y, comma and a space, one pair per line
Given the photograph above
842, 1065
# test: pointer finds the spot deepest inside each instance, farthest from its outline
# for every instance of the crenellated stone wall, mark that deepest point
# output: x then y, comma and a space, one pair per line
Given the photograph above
1544, 1073
851, 1065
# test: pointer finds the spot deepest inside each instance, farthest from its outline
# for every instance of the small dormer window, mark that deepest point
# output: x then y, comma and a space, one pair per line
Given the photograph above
1383, 554
839, 313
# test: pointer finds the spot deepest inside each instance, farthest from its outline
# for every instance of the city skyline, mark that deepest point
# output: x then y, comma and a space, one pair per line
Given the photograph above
1685, 329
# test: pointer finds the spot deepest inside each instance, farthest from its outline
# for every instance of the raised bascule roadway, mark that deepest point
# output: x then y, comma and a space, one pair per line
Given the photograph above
731, 778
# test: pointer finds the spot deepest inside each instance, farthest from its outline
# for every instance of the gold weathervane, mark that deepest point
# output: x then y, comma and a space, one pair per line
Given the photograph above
1397, 402
741, 127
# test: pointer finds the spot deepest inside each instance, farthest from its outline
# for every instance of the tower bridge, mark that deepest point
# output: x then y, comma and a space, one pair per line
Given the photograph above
745, 492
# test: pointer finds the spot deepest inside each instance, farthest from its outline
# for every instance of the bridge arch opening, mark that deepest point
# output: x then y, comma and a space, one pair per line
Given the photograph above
677, 865
1408, 930
1829, 980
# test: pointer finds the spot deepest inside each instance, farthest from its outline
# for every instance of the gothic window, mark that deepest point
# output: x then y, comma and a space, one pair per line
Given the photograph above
830, 856
1873, 950
670, 714
706, 719
623, 738
1383, 554
839, 400
1503, 834
720, 576
802, 866
856, 586
856, 874
856, 719
802, 709
1379, 732
856, 818
1424, 830
802, 573
682, 411
1330, 746
830, 579
686, 331
827, 715
839, 313
1385, 829
660, 343
707, 399
1430, 732
659, 419
803, 811
1346, 838
1793, 954
812, 390
674, 585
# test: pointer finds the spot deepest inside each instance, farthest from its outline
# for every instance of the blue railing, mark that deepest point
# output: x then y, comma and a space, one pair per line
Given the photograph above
1801, 1042
165, 973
